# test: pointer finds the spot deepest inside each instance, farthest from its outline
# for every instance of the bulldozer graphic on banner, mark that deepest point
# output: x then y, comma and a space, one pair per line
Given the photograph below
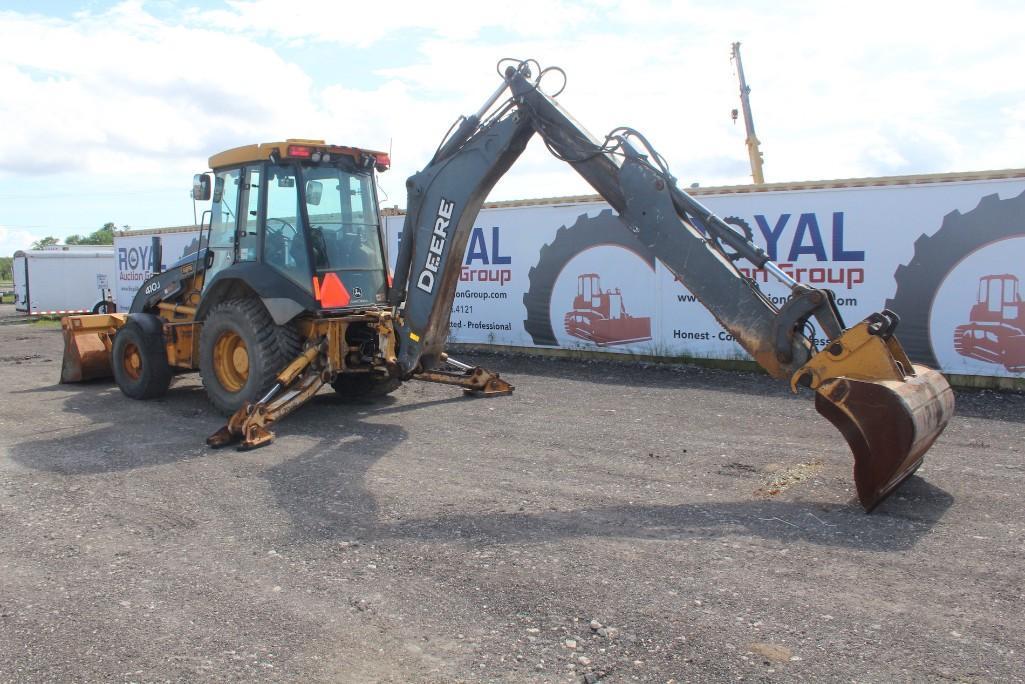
599, 316
995, 332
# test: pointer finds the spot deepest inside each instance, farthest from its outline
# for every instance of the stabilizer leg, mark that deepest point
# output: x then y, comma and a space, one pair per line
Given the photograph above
295, 386
475, 381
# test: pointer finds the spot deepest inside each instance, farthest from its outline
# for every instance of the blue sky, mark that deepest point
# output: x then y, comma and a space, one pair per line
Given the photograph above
111, 106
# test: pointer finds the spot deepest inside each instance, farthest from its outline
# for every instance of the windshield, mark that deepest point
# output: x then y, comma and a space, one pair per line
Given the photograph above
343, 219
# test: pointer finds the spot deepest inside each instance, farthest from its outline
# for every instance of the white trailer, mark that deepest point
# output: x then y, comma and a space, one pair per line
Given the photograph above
63, 279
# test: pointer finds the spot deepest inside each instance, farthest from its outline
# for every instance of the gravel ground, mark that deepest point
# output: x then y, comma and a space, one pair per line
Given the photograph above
606, 522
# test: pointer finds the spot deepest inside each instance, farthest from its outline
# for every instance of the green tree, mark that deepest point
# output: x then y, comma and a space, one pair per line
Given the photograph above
47, 241
103, 236
6, 268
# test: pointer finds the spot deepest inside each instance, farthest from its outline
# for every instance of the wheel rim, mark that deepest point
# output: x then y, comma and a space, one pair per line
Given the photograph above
231, 361
131, 361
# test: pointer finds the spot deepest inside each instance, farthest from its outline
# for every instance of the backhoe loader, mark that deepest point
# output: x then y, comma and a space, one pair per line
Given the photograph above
290, 290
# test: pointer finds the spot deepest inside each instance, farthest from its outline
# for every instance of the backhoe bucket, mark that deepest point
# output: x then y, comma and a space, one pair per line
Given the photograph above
87, 345
889, 410
889, 425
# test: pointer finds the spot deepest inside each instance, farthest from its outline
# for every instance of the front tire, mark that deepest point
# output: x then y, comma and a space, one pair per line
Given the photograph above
139, 359
239, 355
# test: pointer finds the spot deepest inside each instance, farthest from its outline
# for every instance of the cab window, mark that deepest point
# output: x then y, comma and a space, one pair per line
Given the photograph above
223, 222
224, 209
284, 241
344, 227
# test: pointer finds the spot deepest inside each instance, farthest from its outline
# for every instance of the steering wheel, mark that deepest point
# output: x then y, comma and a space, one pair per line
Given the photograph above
281, 230
276, 241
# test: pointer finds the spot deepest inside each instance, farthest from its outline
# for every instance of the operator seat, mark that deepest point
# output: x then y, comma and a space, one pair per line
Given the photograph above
319, 247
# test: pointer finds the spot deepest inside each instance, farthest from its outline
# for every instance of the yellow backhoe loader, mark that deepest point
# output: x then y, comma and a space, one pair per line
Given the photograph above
290, 290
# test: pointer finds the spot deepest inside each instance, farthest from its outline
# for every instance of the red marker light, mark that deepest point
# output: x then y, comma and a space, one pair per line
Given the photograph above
299, 151
383, 162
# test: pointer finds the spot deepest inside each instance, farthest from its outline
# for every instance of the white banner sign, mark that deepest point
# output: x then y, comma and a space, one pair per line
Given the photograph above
133, 256
947, 257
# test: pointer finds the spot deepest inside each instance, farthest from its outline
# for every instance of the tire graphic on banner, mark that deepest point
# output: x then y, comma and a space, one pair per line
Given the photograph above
605, 229
936, 325
745, 230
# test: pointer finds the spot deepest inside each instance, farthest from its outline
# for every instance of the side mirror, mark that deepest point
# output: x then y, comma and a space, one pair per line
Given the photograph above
218, 189
313, 192
201, 187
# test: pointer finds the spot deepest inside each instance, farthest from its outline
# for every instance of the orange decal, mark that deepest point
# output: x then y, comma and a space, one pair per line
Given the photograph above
316, 288
332, 293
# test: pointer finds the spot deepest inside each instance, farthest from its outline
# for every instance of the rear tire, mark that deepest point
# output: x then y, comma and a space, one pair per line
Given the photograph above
364, 385
139, 360
239, 355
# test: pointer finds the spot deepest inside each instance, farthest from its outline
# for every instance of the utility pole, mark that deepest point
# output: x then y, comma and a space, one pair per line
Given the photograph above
753, 152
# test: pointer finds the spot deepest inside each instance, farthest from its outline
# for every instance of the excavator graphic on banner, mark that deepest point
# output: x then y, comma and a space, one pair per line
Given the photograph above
290, 290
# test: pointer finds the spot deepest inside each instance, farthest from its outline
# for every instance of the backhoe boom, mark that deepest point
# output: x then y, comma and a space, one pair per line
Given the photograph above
864, 381
445, 198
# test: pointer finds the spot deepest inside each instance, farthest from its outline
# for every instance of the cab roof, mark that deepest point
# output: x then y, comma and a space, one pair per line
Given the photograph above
297, 148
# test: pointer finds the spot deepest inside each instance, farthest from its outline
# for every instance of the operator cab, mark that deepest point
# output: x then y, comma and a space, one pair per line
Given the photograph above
305, 209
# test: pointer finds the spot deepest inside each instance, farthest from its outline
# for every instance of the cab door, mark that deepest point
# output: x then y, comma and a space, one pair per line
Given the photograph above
250, 214
224, 221
235, 218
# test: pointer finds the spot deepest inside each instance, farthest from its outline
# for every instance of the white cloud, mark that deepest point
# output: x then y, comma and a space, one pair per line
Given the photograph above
362, 24
122, 87
11, 240
134, 101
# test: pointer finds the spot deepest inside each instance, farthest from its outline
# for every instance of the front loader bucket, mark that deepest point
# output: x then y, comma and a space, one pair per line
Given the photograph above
889, 424
87, 344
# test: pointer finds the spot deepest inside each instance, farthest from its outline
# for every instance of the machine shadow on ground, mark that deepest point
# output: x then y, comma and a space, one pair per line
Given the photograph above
782, 521
170, 432
183, 418
324, 492
969, 403
324, 488
629, 373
